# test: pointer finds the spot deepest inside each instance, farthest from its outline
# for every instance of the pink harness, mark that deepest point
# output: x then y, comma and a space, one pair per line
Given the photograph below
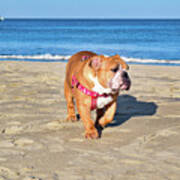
94, 95
85, 58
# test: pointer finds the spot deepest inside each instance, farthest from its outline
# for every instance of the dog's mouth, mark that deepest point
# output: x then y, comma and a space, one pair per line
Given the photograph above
120, 81
125, 82
125, 85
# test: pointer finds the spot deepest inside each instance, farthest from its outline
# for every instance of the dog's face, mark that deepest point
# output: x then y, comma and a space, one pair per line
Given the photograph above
111, 72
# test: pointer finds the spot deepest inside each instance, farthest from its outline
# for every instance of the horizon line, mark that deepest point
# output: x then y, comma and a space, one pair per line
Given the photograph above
97, 18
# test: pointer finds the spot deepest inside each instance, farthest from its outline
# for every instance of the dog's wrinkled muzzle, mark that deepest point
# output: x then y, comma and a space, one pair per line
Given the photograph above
126, 83
120, 81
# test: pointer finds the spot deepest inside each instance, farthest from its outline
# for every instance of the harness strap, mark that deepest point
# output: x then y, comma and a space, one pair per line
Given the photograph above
94, 95
93, 103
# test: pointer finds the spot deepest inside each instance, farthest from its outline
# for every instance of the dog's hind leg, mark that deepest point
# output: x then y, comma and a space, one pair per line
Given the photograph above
70, 103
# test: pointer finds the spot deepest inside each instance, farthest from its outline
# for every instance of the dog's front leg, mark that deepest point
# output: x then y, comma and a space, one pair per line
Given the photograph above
108, 115
85, 114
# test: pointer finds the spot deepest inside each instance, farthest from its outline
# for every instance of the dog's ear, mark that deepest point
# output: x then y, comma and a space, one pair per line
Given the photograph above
95, 62
121, 61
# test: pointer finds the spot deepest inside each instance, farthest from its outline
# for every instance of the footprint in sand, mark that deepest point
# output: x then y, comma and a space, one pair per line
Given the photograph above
26, 143
167, 132
6, 144
163, 133
54, 125
131, 162
77, 140
8, 173
23, 142
32, 178
12, 130
54, 144
14, 123
2, 159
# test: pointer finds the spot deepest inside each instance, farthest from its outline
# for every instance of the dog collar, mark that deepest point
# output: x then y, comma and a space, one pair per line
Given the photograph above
94, 95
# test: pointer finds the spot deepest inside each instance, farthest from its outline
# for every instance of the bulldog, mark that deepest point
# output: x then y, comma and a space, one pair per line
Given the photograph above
94, 81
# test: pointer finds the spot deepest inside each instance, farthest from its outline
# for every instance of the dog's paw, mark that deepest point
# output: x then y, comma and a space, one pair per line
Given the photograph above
92, 134
71, 119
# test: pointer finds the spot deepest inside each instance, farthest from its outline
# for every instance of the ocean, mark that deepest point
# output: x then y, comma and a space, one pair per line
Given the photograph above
139, 41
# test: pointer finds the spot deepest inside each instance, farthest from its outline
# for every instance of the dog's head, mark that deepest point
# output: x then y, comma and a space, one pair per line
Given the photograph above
111, 72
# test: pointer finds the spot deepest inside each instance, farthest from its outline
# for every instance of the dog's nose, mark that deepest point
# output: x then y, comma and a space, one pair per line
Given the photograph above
125, 74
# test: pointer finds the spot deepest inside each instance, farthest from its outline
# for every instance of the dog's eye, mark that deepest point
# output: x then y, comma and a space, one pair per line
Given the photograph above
115, 69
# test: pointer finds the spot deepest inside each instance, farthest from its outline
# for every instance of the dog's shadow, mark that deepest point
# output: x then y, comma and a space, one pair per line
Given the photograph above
128, 107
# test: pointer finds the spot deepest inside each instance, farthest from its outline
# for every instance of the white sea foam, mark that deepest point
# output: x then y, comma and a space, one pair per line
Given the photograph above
45, 57
41, 57
151, 61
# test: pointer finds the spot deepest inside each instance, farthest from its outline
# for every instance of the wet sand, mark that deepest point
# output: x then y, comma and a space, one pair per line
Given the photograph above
36, 143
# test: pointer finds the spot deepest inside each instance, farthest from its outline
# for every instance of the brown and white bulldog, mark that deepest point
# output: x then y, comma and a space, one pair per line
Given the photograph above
94, 81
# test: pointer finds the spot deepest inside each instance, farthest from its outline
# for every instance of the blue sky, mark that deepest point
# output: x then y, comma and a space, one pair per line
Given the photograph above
90, 8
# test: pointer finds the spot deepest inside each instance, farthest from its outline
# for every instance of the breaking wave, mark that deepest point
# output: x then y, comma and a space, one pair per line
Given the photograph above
50, 57
41, 57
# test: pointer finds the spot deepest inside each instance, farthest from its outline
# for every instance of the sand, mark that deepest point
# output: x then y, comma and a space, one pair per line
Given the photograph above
36, 143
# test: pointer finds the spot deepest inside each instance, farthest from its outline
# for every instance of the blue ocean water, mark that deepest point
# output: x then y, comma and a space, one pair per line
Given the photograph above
140, 41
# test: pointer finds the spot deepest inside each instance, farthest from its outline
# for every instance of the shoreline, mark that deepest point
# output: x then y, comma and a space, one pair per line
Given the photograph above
128, 61
37, 143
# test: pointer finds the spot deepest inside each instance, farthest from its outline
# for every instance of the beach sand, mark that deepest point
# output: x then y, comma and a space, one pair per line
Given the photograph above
36, 143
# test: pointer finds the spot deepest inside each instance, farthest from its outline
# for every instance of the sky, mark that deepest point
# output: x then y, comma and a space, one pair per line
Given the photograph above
90, 8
